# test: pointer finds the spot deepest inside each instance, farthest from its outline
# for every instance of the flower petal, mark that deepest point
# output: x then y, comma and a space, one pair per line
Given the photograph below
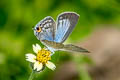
50, 65
35, 65
36, 48
38, 66
30, 57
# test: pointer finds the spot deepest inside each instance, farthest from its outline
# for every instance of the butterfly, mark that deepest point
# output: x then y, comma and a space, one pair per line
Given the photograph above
52, 34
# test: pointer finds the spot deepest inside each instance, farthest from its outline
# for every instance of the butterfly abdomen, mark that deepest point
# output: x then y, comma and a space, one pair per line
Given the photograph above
73, 48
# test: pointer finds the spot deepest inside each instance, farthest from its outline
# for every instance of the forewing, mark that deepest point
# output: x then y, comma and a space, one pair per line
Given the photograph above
47, 29
65, 24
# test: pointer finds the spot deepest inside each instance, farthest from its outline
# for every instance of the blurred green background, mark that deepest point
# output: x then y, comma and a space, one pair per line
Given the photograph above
16, 36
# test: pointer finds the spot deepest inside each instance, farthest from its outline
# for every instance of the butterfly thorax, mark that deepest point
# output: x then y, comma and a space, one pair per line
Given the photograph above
52, 44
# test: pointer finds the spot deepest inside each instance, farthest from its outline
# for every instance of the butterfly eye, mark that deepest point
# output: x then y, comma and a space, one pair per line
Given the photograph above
38, 29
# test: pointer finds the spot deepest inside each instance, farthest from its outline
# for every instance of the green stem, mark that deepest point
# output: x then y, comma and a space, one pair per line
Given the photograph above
32, 75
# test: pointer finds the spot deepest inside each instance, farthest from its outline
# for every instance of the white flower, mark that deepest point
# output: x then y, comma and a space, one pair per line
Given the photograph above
42, 58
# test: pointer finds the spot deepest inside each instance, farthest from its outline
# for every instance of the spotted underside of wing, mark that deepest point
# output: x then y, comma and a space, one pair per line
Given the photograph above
65, 24
48, 27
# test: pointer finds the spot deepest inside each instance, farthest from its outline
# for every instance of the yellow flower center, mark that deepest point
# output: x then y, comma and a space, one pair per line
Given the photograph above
43, 56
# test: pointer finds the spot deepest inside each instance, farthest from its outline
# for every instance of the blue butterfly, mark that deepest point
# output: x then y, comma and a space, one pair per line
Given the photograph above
52, 34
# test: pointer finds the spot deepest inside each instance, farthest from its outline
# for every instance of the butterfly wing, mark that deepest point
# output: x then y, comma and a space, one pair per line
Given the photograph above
47, 26
65, 24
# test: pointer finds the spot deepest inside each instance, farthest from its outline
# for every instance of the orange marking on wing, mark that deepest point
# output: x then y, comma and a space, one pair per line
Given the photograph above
39, 29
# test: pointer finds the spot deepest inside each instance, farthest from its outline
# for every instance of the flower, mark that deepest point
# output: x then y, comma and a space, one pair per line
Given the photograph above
41, 59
